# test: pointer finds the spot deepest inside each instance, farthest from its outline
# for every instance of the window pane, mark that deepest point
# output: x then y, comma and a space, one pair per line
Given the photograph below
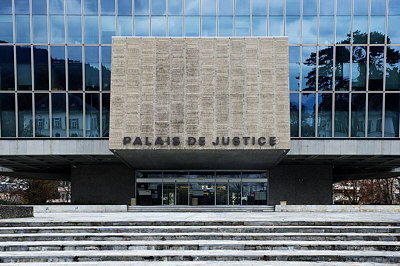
74, 68
57, 68
158, 26
108, 7
22, 28
342, 68
24, 76
41, 75
57, 29
394, 7
7, 114
6, 7
158, 7
39, 29
225, 26
209, 26
57, 7
327, 7
92, 71
75, 112
309, 68
175, 25
39, 7
25, 128
326, 31
124, 25
360, 29
361, 7
175, 7
92, 115
325, 115
378, 8
259, 26
59, 115
359, 68
192, 7
375, 114
341, 115
393, 34
294, 114
310, 29
208, 8
192, 25
294, 68
74, 7
310, 7
325, 68
42, 121
7, 68
141, 25
106, 67
393, 68
124, 7
376, 57
275, 26
91, 7
106, 114
292, 7
343, 29
358, 115
293, 29
21, 7
377, 28
242, 7
308, 115
6, 25
242, 26
74, 35
276, 7
392, 115
91, 30
259, 7
225, 7
107, 29
141, 7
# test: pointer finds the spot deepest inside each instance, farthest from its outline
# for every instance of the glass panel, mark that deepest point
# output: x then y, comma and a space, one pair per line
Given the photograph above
254, 194
141, 7
192, 7
326, 31
259, 7
375, 114
57, 29
225, 7
293, 7
360, 29
105, 114
294, 114
325, 115
92, 107
393, 68
327, 7
25, 128
242, 7
6, 25
57, 68
225, 26
242, 26
192, 26
175, 24
275, 26
74, 35
358, 115
259, 26
57, 7
341, 115
149, 194
209, 26
208, 8
42, 120
41, 70
394, 7
158, 25
6, 7
325, 68
24, 69
39, 29
108, 7
310, 29
293, 29
361, 7
106, 67
309, 68
222, 194
359, 68
343, 29
74, 7
124, 7
91, 7
158, 7
376, 57
294, 68
7, 114
342, 68
393, 34
92, 70
7, 68
75, 114
175, 7
91, 30
377, 28
392, 115
308, 115
169, 194
203, 193
378, 7
276, 7
182, 194
107, 29
310, 7
235, 193
59, 115
141, 25
22, 28
21, 6
124, 25
74, 68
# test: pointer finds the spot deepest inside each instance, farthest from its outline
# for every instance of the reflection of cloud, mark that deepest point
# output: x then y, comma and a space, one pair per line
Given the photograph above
310, 29
192, 7
293, 29
326, 30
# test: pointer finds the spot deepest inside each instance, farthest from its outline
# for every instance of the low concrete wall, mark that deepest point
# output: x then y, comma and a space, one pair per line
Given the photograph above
79, 208
12, 211
337, 208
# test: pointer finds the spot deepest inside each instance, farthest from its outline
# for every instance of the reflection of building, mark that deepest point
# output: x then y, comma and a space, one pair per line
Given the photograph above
344, 82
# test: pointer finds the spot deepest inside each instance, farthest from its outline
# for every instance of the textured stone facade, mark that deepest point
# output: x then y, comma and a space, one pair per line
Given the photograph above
199, 87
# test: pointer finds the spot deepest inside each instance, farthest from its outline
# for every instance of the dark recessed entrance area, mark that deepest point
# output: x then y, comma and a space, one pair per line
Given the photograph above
201, 188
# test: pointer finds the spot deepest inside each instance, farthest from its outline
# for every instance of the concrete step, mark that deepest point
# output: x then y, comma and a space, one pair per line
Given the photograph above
223, 208
210, 229
201, 255
199, 245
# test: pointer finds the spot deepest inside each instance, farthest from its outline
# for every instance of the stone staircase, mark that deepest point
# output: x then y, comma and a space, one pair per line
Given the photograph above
211, 243
204, 208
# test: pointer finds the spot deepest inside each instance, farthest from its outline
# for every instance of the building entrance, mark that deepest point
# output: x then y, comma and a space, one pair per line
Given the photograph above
201, 188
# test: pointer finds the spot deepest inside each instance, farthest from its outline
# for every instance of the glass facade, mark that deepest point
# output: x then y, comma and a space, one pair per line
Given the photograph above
344, 59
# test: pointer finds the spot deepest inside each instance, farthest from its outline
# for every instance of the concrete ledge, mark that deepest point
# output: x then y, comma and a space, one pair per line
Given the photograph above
12, 211
337, 208
78, 208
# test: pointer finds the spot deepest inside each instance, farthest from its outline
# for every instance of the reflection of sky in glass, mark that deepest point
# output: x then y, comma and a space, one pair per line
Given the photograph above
73, 7
39, 7
294, 68
141, 7
208, 7
360, 7
21, 6
124, 25
225, 8
39, 28
292, 7
360, 25
394, 29
275, 26
6, 25
22, 28
276, 7
91, 7
394, 7
175, 7
326, 31
5, 6
91, 54
377, 25
175, 25
141, 26
158, 7
91, 29
225, 26
378, 7
242, 26
259, 25
107, 7
74, 29
107, 29
343, 28
242, 7
124, 7
158, 26
343, 7
310, 7
208, 26
259, 7
293, 29
310, 29
327, 7
192, 7
192, 26
57, 7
